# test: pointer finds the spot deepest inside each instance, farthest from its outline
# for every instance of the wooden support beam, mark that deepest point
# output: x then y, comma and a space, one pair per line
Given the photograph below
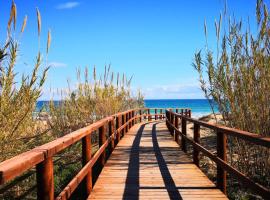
122, 123
222, 154
176, 133
126, 120
111, 132
86, 157
196, 138
184, 131
149, 116
45, 181
102, 140
118, 124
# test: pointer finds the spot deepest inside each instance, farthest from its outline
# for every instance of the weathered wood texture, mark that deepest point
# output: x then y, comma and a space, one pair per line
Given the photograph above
148, 164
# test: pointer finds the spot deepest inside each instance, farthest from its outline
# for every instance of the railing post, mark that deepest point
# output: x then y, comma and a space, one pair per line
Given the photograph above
122, 123
196, 136
86, 157
45, 182
184, 132
189, 113
111, 132
102, 140
222, 154
156, 114
169, 120
118, 124
176, 133
130, 118
160, 116
144, 112
134, 120
176, 110
149, 116
140, 118
172, 122
126, 121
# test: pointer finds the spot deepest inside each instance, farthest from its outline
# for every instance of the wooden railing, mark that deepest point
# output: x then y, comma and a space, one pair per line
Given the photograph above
110, 131
172, 122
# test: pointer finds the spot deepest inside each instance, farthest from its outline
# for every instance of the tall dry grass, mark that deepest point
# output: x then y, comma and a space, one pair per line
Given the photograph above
236, 75
18, 99
92, 99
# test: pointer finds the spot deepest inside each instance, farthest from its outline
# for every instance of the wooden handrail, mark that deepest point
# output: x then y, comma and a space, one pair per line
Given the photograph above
221, 158
41, 157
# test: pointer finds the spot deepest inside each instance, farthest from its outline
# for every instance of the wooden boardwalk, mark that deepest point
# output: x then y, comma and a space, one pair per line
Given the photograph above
148, 164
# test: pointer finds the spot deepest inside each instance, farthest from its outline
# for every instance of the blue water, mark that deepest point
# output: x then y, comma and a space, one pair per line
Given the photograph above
199, 107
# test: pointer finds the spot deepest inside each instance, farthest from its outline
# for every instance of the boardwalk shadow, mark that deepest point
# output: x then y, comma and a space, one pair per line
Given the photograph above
132, 181
132, 185
166, 175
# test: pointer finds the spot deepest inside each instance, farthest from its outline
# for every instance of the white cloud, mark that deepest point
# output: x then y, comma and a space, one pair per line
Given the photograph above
68, 5
180, 91
57, 64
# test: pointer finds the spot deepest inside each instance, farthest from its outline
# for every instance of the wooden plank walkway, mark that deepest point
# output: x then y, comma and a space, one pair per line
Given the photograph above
148, 164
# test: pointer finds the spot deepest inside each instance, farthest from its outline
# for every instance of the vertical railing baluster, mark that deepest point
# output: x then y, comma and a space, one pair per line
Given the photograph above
144, 113
156, 114
133, 120
122, 123
176, 133
129, 117
118, 125
140, 118
45, 180
86, 157
111, 132
184, 132
196, 136
169, 120
172, 122
126, 121
222, 154
149, 116
102, 140
160, 116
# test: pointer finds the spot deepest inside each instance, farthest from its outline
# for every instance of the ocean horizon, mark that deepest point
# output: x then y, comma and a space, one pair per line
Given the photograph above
199, 107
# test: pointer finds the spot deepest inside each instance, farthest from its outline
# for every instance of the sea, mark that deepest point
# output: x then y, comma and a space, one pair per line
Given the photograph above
199, 107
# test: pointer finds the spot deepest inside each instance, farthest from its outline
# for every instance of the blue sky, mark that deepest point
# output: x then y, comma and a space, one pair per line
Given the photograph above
153, 40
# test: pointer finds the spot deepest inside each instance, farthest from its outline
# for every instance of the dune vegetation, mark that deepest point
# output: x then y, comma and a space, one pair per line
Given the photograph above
235, 75
97, 96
